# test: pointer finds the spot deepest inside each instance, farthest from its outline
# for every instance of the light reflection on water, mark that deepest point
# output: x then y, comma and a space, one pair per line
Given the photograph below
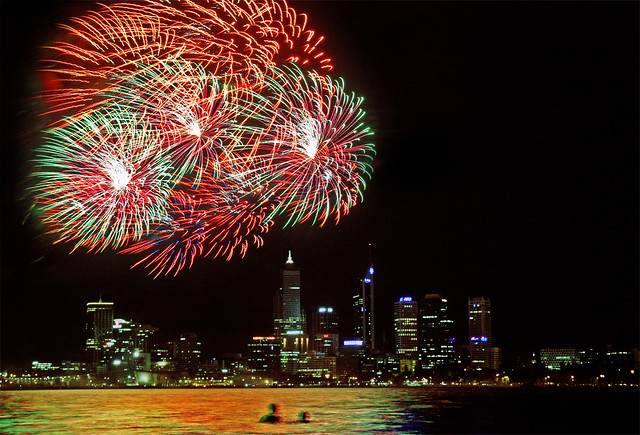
174, 411
332, 410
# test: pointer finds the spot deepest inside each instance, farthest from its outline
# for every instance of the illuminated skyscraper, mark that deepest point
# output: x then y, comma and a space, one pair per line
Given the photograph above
324, 331
479, 332
289, 321
99, 333
436, 333
364, 312
405, 327
288, 314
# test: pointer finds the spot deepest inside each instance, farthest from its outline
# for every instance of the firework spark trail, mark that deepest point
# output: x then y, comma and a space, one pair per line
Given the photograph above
177, 238
315, 139
234, 39
186, 129
228, 216
101, 183
201, 117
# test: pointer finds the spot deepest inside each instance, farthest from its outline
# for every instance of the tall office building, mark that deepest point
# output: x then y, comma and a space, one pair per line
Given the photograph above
405, 327
324, 331
289, 320
436, 333
359, 318
364, 312
288, 314
99, 333
480, 332
264, 355
188, 353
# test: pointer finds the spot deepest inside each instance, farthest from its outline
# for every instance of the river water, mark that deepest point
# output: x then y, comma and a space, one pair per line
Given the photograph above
332, 410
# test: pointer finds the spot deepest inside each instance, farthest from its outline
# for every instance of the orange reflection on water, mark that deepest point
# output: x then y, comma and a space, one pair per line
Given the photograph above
173, 411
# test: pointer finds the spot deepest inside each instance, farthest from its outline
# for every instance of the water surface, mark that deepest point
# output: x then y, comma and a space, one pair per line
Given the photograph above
332, 410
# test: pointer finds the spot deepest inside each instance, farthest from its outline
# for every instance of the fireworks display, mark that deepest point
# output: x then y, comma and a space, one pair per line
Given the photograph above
189, 129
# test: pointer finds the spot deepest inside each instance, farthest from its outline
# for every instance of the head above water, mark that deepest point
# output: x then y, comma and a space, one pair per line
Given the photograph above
273, 408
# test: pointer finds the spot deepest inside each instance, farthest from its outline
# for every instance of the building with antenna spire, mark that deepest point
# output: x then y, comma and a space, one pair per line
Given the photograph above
364, 308
289, 320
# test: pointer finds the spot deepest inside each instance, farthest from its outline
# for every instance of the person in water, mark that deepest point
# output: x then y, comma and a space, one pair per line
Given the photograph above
271, 417
303, 417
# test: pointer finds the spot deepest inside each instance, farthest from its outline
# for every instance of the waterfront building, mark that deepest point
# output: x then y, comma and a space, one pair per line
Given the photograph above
145, 338
364, 311
233, 363
165, 352
43, 366
480, 339
405, 327
294, 345
352, 357
133, 345
324, 331
289, 320
99, 335
555, 359
188, 351
436, 333
72, 366
495, 357
317, 366
288, 314
264, 355
123, 346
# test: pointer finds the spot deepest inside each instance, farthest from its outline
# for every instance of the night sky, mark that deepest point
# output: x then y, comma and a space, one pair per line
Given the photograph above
507, 166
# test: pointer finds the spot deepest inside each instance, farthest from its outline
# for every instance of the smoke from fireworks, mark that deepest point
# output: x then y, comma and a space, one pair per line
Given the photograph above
189, 129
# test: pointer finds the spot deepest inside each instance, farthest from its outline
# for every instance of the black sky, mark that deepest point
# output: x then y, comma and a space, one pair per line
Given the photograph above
507, 166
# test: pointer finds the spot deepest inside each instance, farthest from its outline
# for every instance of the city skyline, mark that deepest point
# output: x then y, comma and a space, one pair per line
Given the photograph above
506, 167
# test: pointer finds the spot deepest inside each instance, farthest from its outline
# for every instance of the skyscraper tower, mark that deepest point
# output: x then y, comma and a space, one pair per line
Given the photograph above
480, 332
405, 327
369, 311
359, 318
363, 309
99, 333
436, 333
288, 314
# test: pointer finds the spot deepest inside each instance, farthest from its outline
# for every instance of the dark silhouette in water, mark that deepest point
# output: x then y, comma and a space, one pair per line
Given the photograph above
303, 417
271, 417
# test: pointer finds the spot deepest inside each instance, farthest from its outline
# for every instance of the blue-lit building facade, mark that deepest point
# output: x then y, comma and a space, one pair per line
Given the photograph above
363, 305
